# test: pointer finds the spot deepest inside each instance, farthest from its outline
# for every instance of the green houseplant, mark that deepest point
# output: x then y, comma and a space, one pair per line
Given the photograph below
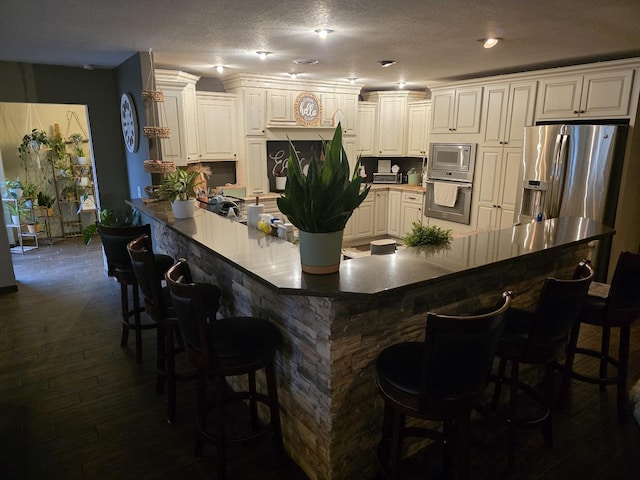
321, 202
426, 235
111, 218
179, 188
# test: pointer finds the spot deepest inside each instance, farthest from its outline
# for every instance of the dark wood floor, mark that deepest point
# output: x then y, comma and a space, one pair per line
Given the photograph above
75, 405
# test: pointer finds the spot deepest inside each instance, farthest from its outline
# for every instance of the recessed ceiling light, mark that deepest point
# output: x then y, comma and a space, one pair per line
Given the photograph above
263, 54
490, 42
220, 68
352, 80
386, 63
293, 75
402, 85
301, 61
323, 32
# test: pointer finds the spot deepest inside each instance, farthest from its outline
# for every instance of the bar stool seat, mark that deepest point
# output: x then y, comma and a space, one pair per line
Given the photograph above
220, 348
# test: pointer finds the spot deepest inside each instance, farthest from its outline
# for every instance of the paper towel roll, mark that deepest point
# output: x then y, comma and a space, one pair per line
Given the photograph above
253, 214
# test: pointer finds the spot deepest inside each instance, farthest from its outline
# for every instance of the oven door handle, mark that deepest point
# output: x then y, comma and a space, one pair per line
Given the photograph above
459, 185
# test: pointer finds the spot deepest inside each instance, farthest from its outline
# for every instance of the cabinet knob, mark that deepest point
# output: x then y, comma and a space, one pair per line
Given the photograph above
575, 112
499, 206
581, 111
505, 143
495, 206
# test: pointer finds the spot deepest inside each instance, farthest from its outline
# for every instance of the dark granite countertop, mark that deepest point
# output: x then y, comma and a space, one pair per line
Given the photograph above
276, 263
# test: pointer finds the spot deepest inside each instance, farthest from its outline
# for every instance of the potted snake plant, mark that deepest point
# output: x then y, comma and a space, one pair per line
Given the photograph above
179, 188
320, 202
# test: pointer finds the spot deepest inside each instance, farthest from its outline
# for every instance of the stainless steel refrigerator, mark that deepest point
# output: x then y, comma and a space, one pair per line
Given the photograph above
572, 170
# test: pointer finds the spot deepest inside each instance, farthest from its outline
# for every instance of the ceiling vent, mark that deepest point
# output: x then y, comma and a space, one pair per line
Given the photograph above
302, 61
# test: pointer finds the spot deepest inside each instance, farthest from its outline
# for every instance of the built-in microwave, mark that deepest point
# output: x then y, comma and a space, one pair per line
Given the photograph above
452, 161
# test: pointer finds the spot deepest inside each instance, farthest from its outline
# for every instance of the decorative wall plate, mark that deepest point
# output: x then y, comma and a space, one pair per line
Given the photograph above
308, 109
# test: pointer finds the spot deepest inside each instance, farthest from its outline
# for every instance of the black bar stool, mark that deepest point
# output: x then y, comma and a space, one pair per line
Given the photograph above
618, 308
219, 348
157, 304
440, 379
114, 242
538, 338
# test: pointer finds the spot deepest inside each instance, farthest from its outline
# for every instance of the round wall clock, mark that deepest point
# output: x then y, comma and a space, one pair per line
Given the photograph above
129, 122
308, 109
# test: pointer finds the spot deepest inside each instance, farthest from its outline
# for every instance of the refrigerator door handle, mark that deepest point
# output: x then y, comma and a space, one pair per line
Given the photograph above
557, 175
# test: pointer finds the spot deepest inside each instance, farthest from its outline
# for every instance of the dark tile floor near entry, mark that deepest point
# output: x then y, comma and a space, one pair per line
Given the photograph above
75, 405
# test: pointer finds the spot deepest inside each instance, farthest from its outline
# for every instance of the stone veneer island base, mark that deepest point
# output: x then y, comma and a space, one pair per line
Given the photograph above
334, 326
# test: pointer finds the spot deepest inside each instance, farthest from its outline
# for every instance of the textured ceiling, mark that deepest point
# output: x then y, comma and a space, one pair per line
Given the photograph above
431, 40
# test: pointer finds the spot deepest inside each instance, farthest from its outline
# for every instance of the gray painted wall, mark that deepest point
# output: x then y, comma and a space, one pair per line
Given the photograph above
100, 91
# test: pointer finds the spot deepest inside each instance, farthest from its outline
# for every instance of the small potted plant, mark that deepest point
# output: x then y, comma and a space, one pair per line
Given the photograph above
76, 140
29, 190
14, 188
46, 201
413, 177
31, 145
426, 235
179, 188
280, 174
15, 212
69, 193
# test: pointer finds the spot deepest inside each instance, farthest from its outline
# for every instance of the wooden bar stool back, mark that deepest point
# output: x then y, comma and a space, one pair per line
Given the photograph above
619, 309
439, 379
538, 338
220, 348
157, 304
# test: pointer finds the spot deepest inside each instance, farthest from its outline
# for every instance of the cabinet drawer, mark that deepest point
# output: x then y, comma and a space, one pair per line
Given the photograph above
410, 197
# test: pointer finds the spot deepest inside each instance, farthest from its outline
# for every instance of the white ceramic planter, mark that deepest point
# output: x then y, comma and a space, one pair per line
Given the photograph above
82, 160
183, 208
83, 181
281, 182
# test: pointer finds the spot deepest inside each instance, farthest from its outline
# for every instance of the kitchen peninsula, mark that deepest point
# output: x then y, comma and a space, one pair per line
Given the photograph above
334, 326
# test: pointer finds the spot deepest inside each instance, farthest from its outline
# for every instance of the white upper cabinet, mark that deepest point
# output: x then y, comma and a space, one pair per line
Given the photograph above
254, 111
418, 129
280, 106
365, 138
340, 107
507, 109
392, 120
256, 166
217, 126
456, 110
178, 112
592, 95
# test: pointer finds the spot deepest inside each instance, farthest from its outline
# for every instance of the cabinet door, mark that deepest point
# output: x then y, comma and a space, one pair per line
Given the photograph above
349, 144
349, 107
254, 111
442, 103
391, 126
496, 100
412, 204
256, 165
606, 94
330, 103
417, 143
365, 220
510, 186
171, 115
487, 186
520, 111
559, 97
217, 119
381, 208
467, 110
280, 106
366, 128
395, 212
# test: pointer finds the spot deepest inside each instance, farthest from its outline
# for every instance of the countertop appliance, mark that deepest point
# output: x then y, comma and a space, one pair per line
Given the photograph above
450, 181
572, 170
380, 177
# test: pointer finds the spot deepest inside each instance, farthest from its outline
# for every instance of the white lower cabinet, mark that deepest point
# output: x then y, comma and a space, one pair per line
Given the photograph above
361, 224
395, 202
497, 184
412, 211
381, 209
